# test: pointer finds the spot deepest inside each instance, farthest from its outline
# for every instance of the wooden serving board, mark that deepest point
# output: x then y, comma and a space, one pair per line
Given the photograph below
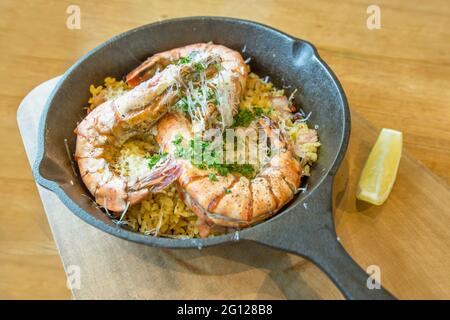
408, 238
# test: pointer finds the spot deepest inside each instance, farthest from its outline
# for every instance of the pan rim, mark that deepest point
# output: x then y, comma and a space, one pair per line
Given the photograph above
167, 242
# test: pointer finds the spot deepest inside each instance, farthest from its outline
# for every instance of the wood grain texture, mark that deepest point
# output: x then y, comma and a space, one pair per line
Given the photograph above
395, 77
407, 241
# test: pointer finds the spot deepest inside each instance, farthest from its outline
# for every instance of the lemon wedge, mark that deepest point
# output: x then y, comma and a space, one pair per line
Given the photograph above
380, 170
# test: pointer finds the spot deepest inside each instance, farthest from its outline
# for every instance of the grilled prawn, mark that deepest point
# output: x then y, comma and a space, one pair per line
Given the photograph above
228, 84
231, 200
108, 126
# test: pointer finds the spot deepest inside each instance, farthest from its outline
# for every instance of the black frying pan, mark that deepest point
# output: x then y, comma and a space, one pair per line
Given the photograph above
305, 226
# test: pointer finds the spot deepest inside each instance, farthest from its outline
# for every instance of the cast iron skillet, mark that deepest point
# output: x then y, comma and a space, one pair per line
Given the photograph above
305, 226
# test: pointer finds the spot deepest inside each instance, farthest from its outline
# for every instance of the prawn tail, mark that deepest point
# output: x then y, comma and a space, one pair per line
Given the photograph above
276, 136
141, 73
162, 175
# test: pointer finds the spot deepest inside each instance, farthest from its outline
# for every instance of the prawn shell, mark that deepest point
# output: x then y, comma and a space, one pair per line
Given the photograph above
112, 195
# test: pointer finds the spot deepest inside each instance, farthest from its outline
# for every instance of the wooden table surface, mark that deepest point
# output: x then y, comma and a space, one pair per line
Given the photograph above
397, 76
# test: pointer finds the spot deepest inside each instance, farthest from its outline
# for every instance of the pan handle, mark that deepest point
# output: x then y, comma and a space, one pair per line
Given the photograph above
308, 231
353, 282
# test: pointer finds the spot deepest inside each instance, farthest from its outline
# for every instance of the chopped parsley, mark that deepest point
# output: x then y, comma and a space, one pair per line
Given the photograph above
227, 190
201, 166
198, 153
184, 60
212, 97
244, 169
212, 177
222, 169
268, 112
258, 111
199, 67
155, 158
178, 139
243, 118
182, 105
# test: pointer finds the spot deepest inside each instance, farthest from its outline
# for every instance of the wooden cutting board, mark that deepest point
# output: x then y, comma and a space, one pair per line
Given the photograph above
408, 238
